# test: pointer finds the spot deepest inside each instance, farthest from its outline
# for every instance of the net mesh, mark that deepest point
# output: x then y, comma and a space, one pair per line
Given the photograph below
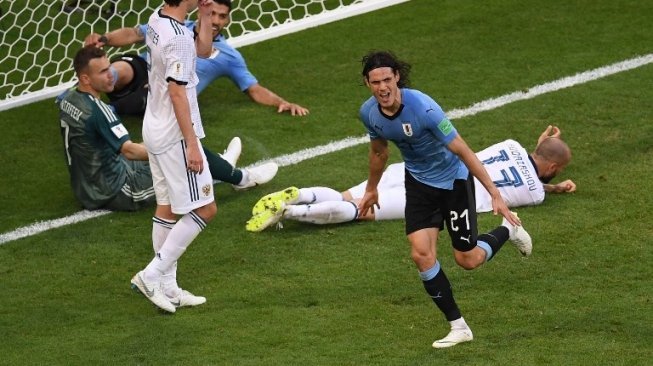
39, 38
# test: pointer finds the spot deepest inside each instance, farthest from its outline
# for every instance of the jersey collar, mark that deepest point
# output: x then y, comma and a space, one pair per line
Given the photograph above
401, 108
161, 15
536, 172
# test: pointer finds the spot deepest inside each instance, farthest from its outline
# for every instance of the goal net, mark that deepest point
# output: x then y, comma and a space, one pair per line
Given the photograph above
39, 38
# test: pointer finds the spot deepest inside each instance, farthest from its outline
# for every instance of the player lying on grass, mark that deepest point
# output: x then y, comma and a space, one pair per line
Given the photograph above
108, 170
522, 179
130, 71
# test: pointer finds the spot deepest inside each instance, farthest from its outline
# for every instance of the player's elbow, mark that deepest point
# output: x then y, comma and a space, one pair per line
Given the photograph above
133, 151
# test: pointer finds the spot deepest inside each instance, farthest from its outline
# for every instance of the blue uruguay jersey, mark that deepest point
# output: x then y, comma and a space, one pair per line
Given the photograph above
224, 61
421, 131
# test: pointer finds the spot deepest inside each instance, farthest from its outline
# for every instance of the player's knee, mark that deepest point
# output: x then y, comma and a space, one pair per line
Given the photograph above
208, 212
468, 262
422, 257
164, 211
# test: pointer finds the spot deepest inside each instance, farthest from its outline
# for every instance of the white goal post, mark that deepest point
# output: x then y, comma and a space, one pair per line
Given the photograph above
39, 38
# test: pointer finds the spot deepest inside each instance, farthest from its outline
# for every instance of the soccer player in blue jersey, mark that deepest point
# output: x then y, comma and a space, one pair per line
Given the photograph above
439, 183
131, 74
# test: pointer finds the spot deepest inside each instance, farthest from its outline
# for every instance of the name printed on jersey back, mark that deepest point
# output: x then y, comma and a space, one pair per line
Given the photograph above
522, 166
152, 35
70, 110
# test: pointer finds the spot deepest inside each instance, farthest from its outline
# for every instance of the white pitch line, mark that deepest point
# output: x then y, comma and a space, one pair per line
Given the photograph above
299, 156
552, 86
41, 226
485, 105
312, 152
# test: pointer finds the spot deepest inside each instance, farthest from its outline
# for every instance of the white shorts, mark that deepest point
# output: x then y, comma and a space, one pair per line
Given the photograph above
392, 203
392, 177
392, 193
174, 185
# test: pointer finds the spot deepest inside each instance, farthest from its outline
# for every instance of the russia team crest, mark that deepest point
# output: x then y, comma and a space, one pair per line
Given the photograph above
408, 129
206, 190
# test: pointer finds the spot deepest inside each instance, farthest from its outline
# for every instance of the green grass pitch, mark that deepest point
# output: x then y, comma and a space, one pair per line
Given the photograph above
349, 294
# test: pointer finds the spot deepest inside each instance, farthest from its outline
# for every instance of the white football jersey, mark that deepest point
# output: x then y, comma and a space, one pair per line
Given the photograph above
171, 56
508, 165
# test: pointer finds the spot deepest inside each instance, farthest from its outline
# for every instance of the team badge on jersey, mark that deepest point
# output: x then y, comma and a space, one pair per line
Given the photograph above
206, 190
408, 129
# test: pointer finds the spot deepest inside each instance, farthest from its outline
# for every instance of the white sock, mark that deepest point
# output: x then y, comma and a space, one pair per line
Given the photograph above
179, 238
160, 230
169, 282
332, 212
318, 194
459, 323
245, 177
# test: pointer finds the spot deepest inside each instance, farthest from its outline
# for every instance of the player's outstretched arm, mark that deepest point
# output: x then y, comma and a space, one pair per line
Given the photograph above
459, 147
204, 39
378, 156
550, 131
567, 186
117, 38
265, 96
134, 151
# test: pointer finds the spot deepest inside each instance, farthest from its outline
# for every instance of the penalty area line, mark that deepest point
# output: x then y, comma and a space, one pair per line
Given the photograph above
309, 153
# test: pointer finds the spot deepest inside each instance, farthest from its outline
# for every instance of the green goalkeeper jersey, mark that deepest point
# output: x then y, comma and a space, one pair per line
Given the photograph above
93, 135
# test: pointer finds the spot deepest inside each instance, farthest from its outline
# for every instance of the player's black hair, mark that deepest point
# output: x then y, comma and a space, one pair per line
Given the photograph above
173, 3
177, 2
84, 56
376, 59
227, 3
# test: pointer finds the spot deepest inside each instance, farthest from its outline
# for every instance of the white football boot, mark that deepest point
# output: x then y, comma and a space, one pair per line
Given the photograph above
454, 337
257, 175
519, 237
232, 153
153, 292
185, 298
